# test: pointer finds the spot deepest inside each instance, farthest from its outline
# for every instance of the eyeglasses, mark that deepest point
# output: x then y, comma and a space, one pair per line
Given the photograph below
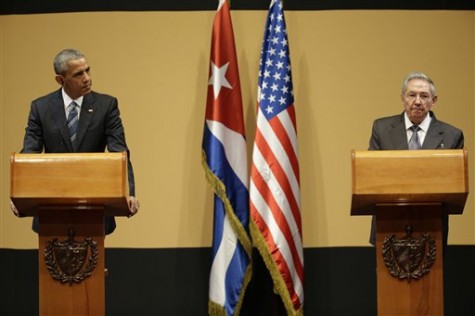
423, 97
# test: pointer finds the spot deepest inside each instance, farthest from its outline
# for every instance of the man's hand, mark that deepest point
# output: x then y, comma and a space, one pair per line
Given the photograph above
134, 205
14, 209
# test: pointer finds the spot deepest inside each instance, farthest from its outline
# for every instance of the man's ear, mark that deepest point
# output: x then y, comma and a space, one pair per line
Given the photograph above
59, 79
434, 101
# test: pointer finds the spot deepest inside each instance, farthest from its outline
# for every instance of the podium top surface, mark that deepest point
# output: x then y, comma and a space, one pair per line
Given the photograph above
409, 176
69, 180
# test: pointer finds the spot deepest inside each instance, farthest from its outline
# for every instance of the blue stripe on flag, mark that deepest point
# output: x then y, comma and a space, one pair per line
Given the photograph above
236, 191
231, 261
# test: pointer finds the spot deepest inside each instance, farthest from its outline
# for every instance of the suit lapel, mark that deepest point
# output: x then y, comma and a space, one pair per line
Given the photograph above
397, 133
59, 118
433, 139
434, 135
87, 111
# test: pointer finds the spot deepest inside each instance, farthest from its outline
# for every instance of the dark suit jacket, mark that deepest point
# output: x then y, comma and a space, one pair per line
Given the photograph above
389, 133
100, 127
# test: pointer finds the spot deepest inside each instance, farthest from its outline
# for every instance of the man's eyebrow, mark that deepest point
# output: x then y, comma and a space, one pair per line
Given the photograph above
79, 72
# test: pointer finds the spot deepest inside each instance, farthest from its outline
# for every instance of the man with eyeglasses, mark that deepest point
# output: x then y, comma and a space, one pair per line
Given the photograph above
416, 128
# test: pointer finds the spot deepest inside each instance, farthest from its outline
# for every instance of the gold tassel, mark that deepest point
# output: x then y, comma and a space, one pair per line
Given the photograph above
279, 284
220, 190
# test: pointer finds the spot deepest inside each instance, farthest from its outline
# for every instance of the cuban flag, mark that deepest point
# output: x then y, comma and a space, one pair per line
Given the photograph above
224, 157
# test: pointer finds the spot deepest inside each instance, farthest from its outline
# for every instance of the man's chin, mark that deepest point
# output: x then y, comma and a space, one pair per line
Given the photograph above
417, 118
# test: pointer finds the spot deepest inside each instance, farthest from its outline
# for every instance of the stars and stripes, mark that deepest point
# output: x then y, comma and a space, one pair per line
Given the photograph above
274, 190
225, 162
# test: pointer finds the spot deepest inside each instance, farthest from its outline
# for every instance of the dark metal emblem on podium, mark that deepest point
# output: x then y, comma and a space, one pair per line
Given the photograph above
408, 257
66, 260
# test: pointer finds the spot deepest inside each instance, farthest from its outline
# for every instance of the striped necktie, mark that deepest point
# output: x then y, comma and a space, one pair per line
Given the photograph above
73, 121
414, 142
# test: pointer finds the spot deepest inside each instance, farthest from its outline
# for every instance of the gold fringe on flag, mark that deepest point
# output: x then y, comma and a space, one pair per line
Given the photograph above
220, 190
279, 284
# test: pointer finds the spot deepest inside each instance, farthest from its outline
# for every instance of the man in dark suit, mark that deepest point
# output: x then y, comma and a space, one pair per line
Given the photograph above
416, 128
99, 123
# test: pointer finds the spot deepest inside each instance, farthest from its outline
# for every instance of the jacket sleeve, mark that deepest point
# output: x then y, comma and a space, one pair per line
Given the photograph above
33, 141
115, 140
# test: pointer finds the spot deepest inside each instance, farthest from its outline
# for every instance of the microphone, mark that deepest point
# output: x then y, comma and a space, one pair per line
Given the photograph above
61, 142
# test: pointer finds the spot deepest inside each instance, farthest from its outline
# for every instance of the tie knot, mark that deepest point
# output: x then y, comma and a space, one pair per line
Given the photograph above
414, 142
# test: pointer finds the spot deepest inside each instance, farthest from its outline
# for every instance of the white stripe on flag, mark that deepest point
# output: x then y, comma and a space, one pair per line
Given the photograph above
224, 255
279, 152
234, 147
278, 237
289, 129
279, 196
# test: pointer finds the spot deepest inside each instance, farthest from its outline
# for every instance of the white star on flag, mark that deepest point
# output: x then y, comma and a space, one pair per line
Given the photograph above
218, 78
274, 190
224, 158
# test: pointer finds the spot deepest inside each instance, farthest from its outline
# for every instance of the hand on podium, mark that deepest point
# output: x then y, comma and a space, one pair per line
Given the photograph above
134, 205
15, 210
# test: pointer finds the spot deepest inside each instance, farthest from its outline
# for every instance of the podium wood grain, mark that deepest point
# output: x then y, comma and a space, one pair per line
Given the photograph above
415, 188
87, 297
72, 191
421, 297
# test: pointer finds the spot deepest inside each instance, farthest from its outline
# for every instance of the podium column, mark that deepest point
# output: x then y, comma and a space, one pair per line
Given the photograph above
409, 191
422, 294
64, 232
70, 193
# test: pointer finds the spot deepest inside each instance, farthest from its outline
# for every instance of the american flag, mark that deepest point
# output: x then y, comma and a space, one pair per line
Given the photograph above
224, 157
276, 226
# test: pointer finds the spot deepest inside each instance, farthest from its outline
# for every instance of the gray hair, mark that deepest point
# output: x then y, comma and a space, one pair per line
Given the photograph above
62, 59
421, 76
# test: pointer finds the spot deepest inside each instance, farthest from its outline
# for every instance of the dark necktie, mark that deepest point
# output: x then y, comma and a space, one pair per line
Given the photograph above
414, 142
73, 121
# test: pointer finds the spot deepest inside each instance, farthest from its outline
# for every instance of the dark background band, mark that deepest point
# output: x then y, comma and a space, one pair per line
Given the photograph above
55, 6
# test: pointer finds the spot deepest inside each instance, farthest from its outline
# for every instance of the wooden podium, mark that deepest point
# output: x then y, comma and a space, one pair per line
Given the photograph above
70, 193
409, 191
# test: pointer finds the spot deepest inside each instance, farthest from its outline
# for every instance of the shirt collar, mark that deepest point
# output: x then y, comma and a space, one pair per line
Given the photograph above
67, 99
424, 124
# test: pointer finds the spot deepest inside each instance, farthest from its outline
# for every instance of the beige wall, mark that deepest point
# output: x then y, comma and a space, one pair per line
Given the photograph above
348, 67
